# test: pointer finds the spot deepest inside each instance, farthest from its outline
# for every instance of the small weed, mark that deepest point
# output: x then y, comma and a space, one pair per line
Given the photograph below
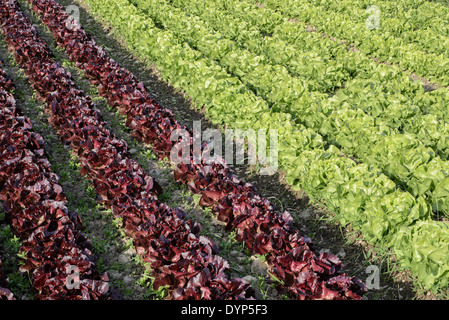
90, 190
10, 244
262, 286
147, 281
100, 245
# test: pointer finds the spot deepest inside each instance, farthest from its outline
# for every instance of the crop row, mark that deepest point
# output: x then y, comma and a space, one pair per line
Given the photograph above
381, 91
369, 139
387, 217
36, 209
422, 23
179, 257
326, 64
291, 257
383, 46
6, 84
417, 15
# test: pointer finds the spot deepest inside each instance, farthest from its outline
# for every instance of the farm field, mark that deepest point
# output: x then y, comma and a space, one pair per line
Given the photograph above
96, 207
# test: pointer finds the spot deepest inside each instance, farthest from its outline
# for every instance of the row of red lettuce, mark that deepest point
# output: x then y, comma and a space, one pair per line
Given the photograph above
293, 259
181, 259
36, 209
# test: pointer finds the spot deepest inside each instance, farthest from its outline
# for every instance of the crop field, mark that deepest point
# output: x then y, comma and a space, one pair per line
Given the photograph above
224, 150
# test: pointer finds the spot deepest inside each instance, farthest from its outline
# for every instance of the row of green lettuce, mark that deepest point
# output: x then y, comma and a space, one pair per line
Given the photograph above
384, 92
359, 135
372, 42
326, 64
372, 203
420, 22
